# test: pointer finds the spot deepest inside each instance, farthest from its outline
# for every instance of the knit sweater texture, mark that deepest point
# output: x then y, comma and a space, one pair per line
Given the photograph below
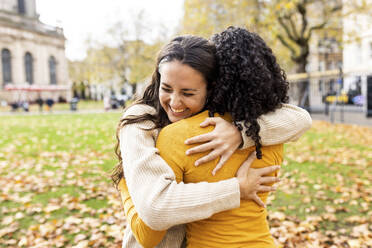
162, 203
245, 226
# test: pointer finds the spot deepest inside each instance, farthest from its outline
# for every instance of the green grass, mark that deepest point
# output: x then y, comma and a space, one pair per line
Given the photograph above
327, 173
55, 167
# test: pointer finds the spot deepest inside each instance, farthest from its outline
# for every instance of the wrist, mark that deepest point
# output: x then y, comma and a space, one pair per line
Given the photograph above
240, 183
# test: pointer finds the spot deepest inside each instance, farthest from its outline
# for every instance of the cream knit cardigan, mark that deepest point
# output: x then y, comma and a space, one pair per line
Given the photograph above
160, 201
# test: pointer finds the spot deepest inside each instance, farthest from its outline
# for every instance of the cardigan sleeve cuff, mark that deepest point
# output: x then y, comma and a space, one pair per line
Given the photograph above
228, 195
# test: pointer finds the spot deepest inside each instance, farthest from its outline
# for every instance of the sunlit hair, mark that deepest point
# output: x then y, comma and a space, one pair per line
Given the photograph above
194, 51
249, 83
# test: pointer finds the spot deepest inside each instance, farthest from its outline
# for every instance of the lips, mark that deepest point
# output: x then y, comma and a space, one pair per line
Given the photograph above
178, 112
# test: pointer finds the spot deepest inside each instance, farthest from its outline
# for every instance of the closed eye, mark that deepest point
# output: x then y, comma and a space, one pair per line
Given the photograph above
166, 89
188, 94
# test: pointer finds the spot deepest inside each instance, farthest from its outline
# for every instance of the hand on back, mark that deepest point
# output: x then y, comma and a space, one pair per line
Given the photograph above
222, 142
252, 181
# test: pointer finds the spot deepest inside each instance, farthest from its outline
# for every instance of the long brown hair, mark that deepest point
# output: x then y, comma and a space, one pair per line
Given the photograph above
194, 51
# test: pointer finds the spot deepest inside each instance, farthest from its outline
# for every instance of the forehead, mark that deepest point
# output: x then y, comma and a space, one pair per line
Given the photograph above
176, 74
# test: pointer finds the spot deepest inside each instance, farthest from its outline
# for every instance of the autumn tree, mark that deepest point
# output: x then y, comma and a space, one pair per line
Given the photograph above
208, 17
134, 58
292, 23
128, 59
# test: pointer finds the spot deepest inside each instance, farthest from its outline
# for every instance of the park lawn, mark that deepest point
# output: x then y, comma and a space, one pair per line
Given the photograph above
56, 190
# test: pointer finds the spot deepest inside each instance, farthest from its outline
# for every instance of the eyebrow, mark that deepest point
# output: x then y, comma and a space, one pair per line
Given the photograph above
185, 89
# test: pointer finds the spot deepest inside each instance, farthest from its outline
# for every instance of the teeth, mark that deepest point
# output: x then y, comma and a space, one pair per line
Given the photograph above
178, 110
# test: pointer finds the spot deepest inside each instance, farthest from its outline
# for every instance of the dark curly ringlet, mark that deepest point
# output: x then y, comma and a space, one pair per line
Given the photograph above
249, 83
194, 51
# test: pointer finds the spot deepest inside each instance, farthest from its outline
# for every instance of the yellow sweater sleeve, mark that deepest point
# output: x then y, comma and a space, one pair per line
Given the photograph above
143, 234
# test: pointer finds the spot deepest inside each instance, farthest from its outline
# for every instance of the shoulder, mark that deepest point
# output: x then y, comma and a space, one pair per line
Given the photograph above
138, 109
144, 126
185, 127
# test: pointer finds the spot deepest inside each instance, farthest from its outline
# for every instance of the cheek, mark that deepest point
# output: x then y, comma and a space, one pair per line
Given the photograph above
163, 98
198, 104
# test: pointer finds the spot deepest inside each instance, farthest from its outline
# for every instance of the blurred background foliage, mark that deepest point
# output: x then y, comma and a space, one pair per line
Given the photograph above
288, 26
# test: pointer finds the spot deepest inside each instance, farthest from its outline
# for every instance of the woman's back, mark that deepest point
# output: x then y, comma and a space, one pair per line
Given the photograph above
241, 227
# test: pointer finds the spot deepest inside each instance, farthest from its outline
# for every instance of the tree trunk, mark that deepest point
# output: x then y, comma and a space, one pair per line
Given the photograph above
303, 87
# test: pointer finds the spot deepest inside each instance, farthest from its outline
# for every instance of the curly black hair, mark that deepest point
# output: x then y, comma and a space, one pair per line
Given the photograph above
249, 83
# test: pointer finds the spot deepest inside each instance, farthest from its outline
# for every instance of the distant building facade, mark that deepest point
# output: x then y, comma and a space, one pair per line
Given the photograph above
31, 52
357, 51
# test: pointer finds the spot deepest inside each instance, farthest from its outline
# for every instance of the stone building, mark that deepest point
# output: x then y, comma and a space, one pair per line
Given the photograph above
32, 53
357, 56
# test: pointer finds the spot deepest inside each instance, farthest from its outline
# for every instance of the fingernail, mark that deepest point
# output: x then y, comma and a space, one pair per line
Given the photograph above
187, 152
186, 142
196, 163
213, 173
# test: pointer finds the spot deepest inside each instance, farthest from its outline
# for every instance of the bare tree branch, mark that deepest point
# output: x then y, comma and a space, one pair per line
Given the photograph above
293, 27
316, 27
287, 45
286, 28
302, 10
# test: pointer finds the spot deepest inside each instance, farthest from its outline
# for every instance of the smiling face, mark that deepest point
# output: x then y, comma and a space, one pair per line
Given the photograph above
182, 91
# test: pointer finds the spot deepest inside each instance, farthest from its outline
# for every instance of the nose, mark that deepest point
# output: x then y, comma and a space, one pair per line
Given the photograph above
175, 101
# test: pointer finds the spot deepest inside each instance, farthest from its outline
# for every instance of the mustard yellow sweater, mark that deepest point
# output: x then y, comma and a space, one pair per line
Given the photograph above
160, 201
245, 226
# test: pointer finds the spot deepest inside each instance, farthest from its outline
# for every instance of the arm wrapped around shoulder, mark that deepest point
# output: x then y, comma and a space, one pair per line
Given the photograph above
283, 125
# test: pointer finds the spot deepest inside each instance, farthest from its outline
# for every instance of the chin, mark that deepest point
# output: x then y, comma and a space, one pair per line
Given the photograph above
175, 118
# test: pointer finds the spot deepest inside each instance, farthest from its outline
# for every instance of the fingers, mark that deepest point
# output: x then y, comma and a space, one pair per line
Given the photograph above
199, 139
258, 201
212, 155
267, 180
200, 148
246, 164
263, 188
209, 121
268, 170
222, 161
251, 158
243, 170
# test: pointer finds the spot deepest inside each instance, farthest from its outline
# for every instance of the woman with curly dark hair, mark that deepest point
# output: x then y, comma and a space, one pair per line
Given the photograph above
183, 85
252, 82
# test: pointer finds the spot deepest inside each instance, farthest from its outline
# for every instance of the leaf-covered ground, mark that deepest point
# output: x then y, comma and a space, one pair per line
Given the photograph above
56, 191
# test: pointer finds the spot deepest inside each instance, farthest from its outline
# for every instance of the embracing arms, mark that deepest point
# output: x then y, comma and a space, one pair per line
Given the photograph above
283, 125
161, 202
152, 202
249, 178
